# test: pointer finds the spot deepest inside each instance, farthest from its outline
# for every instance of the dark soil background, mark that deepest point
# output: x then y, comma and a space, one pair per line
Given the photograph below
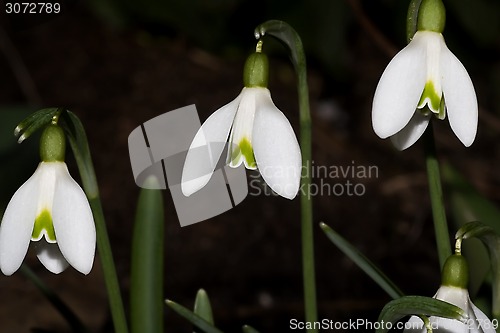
117, 71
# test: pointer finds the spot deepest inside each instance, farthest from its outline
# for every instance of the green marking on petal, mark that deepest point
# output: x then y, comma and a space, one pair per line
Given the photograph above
442, 110
430, 97
43, 226
244, 148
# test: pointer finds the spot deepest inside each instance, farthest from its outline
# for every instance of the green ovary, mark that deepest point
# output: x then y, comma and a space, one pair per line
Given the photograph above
245, 149
43, 226
431, 97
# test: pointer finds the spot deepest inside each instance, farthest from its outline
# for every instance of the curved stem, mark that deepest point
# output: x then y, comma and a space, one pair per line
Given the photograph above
287, 35
436, 194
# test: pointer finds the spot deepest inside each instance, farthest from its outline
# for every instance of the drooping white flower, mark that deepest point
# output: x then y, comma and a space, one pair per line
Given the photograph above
458, 297
259, 136
453, 290
424, 74
51, 210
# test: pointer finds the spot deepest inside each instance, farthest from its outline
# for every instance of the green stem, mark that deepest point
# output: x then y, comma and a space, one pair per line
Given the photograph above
436, 194
412, 19
108, 266
306, 201
79, 145
287, 35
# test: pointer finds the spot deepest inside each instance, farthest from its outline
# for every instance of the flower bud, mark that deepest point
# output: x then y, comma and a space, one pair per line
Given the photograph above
431, 16
455, 272
52, 144
256, 71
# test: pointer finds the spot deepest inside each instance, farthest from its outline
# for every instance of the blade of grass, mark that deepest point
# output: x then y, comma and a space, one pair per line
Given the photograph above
362, 262
193, 318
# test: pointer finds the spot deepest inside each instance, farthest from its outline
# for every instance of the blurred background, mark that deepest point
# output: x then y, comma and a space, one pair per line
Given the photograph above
118, 63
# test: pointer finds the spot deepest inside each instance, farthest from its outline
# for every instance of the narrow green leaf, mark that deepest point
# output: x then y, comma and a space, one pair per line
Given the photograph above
146, 280
363, 262
249, 329
193, 318
417, 305
202, 306
491, 240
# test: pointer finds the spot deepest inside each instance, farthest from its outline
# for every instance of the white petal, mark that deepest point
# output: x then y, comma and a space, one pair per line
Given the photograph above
276, 149
454, 295
414, 325
207, 147
481, 319
399, 89
50, 256
17, 225
411, 132
459, 97
73, 222
241, 132
434, 44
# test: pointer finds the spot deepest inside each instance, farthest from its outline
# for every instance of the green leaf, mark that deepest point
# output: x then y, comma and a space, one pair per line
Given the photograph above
363, 262
417, 305
193, 318
492, 242
202, 306
146, 280
249, 329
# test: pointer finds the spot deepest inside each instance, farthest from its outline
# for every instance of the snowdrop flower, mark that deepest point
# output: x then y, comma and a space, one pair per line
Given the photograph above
259, 136
51, 210
454, 291
425, 79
